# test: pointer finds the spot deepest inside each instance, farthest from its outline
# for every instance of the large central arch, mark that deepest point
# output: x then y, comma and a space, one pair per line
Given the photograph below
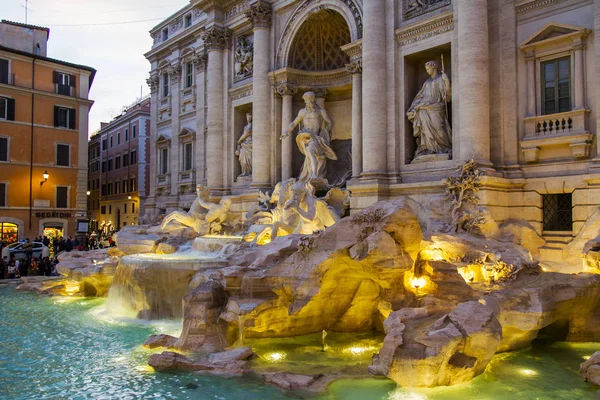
348, 9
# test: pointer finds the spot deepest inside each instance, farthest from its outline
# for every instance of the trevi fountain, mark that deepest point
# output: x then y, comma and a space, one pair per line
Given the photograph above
331, 283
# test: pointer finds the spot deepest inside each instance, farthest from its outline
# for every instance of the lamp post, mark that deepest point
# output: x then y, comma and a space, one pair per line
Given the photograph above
46, 175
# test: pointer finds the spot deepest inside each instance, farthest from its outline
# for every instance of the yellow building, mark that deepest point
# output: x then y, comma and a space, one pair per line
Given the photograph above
44, 108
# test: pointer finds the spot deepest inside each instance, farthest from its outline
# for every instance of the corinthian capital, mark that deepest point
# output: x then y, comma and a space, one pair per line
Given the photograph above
355, 67
152, 81
286, 90
216, 38
174, 72
199, 60
259, 15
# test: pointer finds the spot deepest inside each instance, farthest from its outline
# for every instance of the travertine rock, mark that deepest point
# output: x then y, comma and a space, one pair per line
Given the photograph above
201, 310
155, 341
289, 381
590, 369
225, 357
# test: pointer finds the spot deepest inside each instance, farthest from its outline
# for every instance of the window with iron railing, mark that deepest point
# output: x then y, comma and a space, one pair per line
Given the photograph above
558, 212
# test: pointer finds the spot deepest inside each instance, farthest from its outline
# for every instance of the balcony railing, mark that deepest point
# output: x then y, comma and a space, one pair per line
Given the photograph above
567, 130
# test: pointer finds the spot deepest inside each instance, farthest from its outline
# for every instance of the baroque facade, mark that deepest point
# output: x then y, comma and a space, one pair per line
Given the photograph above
515, 83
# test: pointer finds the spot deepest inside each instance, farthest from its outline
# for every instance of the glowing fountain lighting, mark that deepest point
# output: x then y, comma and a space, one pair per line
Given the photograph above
144, 368
275, 357
418, 282
360, 350
71, 287
586, 358
528, 372
402, 395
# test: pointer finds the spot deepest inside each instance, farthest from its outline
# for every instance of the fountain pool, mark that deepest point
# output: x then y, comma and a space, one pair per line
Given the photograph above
56, 348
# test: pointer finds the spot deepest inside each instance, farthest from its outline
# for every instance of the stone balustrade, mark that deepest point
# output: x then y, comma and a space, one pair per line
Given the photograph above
163, 180
562, 134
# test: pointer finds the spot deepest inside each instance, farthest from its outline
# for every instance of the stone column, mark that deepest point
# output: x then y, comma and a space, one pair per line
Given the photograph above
579, 72
175, 93
200, 70
473, 86
153, 82
287, 93
259, 15
215, 41
355, 68
374, 89
530, 60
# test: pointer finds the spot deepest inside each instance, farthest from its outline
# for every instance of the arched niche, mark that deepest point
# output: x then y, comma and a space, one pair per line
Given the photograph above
349, 10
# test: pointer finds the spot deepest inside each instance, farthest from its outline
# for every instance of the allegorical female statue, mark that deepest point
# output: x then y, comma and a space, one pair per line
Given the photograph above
244, 149
429, 114
313, 138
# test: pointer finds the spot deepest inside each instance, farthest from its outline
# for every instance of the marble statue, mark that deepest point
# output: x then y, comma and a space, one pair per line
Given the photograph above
204, 217
303, 213
244, 149
313, 138
243, 59
429, 114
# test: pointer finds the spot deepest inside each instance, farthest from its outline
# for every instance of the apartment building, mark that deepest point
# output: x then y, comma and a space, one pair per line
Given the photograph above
44, 106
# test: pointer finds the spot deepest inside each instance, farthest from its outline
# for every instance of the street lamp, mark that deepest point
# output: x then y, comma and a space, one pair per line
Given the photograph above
46, 175
88, 192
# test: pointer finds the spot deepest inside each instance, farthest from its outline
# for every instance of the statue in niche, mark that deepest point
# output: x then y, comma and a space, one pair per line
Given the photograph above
244, 149
243, 59
204, 217
313, 139
429, 114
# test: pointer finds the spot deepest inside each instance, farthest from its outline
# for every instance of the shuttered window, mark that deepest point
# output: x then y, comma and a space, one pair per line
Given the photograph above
62, 155
3, 71
7, 108
64, 117
2, 194
64, 83
556, 86
62, 200
133, 157
3, 149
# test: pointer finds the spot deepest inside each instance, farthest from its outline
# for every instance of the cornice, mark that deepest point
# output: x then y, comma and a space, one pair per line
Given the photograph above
530, 5
425, 29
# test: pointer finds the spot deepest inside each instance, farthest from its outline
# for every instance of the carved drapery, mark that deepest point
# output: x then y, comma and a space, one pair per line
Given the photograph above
243, 58
259, 15
216, 38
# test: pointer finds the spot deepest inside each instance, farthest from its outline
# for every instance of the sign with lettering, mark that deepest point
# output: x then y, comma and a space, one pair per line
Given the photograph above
52, 214
38, 203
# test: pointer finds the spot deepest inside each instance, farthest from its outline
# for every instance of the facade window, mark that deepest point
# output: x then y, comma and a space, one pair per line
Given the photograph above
164, 161
110, 165
62, 197
9, 233
104, 192
133, 132
64, 117
111, 142
62, 155
132, 185
103, 210
103, 166
109, 188
117, 187
133, 157
3, 149
165, 34
125, 160
187, 157
165, 82
125, 208
110, 209
558, 212
7, 108
126, 135
118, 138
188, 20
117, 162
3, 194
63, 82
189, 74
133, 208
556, 86
104, 146
124, 183
3, 71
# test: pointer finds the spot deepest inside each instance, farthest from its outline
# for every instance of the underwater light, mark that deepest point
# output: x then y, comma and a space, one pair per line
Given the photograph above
418, 282
586, 358
528, 372
275, 357
144, 368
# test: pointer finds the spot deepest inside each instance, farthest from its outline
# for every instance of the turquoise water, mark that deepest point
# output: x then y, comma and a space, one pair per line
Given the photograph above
55, 349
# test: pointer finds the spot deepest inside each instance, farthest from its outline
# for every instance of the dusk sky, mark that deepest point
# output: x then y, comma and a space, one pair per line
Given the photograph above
116, 51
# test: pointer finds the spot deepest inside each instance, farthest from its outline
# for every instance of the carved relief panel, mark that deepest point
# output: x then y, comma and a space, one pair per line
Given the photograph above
243, 57
414, 8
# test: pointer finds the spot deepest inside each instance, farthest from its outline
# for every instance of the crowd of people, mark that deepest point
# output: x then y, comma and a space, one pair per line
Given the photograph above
12, 268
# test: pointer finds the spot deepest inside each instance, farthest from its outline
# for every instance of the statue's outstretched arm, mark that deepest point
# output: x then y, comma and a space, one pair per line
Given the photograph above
293, 125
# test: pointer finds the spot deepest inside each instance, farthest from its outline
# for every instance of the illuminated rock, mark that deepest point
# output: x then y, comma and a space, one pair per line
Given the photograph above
590, 369
225, 357
155, 341
289, 381
201, 310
